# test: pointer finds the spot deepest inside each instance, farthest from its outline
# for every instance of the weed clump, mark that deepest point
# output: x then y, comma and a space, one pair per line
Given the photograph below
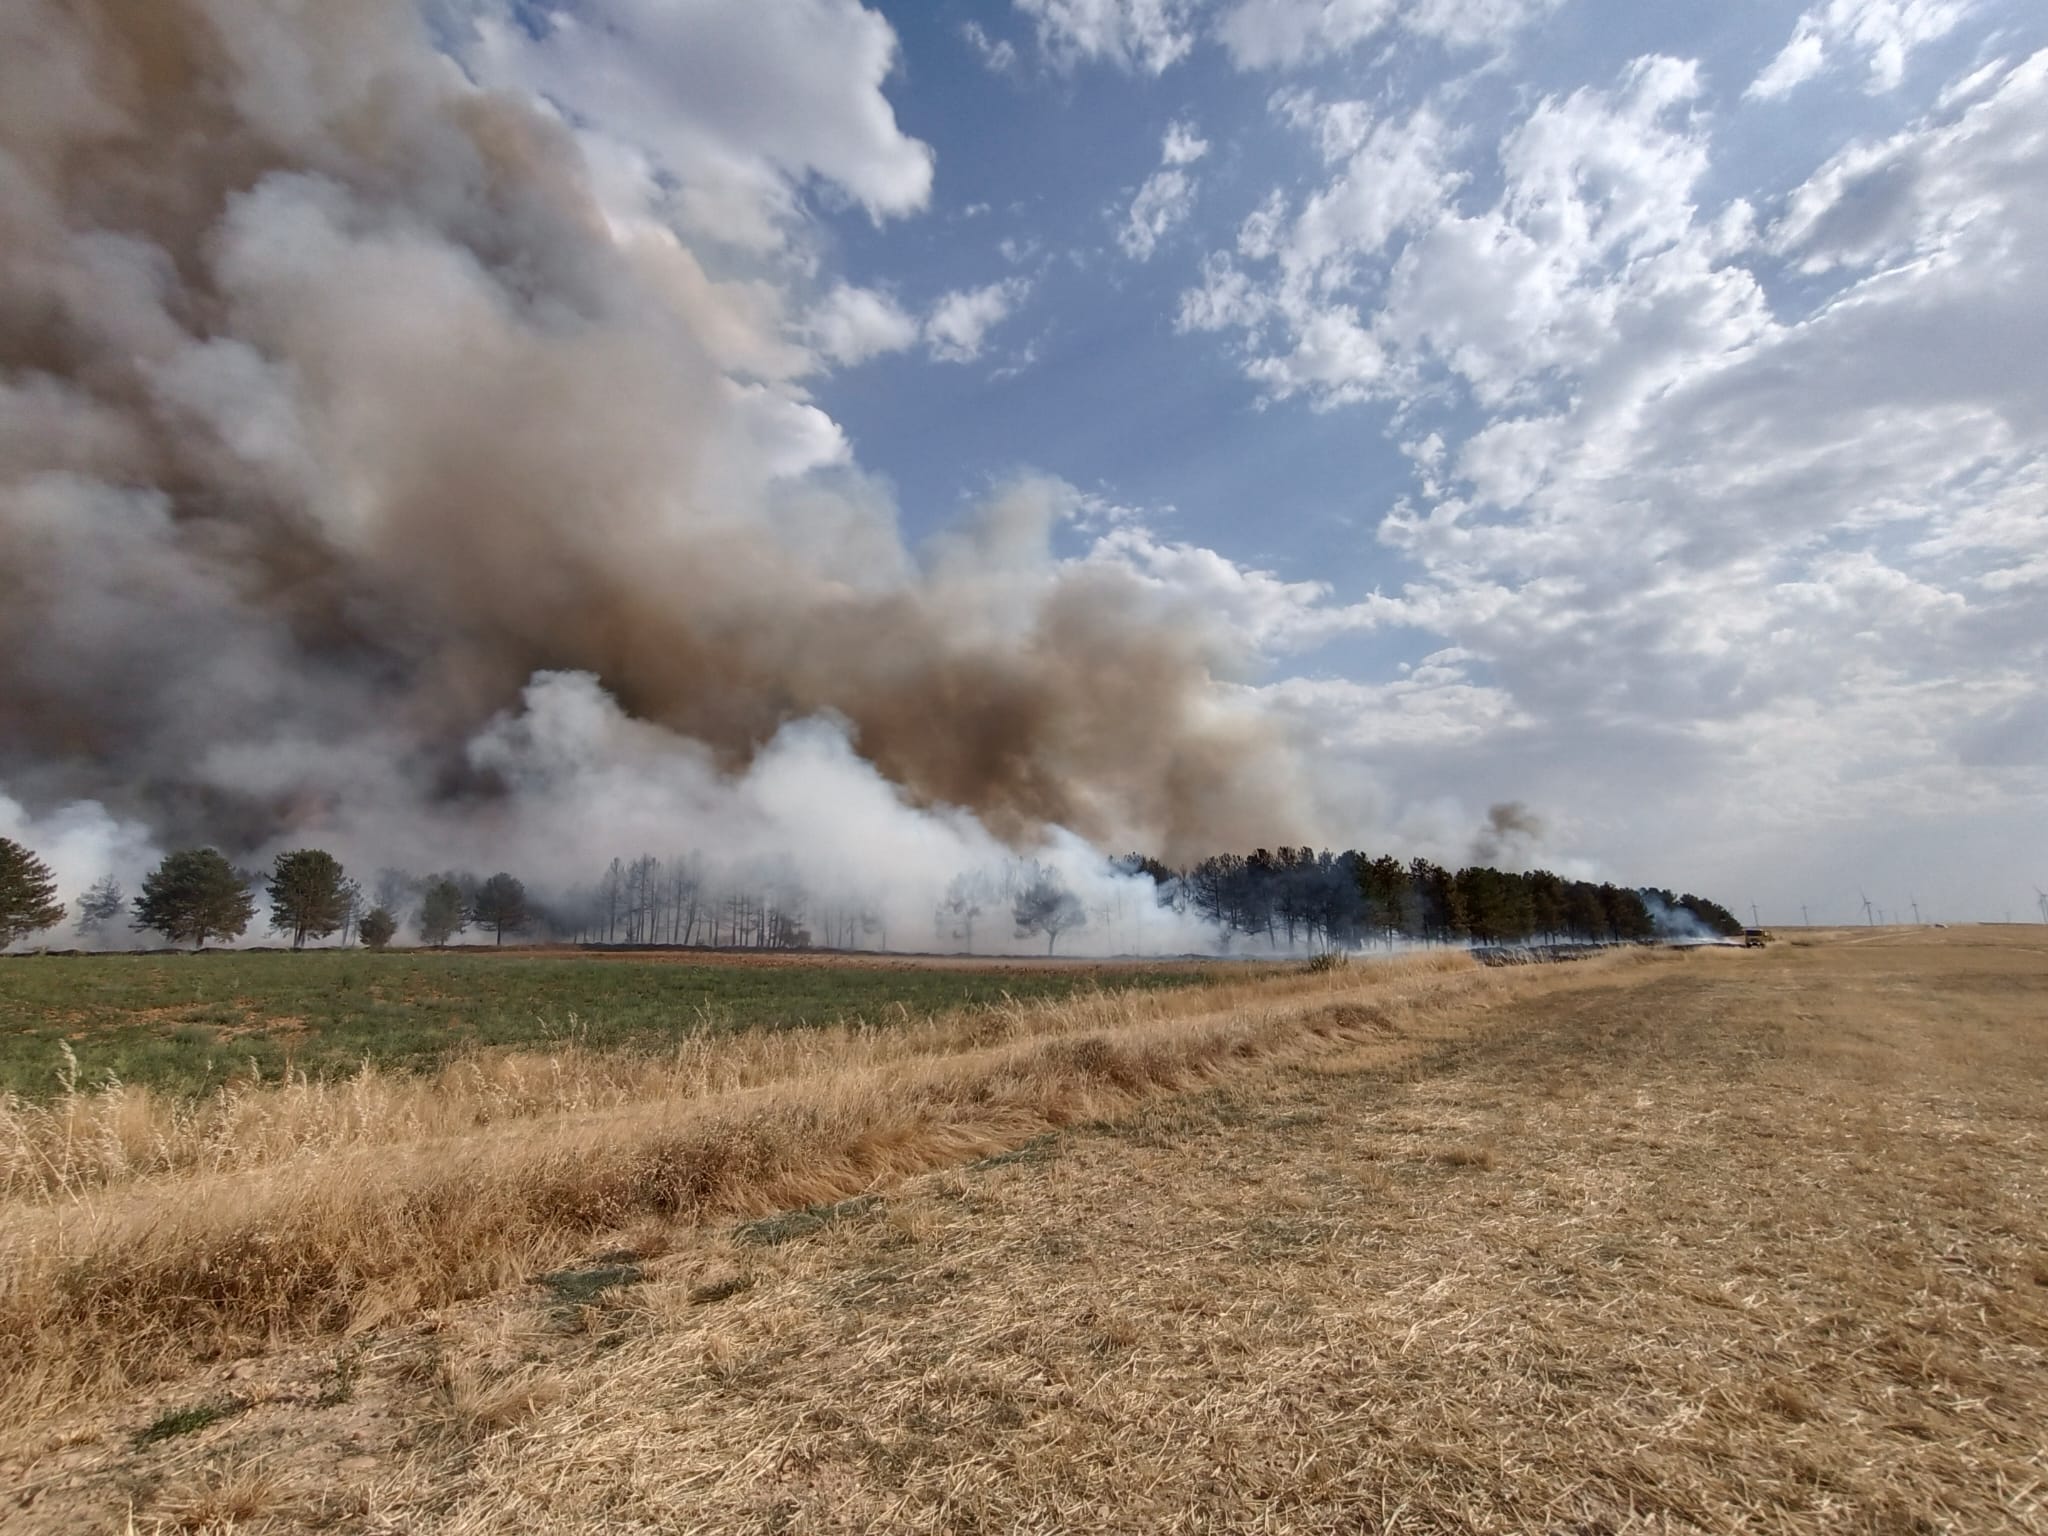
341, 1381
186, 1421
574, 1286
787, 1226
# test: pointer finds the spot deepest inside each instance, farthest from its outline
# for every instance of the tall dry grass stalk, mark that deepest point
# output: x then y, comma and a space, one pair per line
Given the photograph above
117, 1134
137, 1231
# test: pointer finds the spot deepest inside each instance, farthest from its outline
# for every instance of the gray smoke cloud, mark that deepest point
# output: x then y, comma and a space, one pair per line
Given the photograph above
1511, 837
349, 455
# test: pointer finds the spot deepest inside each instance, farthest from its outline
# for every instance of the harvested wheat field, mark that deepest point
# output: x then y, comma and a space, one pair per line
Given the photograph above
1656, 1242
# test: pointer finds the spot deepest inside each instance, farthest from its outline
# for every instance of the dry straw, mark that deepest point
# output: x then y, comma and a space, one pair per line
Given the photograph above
140, 1231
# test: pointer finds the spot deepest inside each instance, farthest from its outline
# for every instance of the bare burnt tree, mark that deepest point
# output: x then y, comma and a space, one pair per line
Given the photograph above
1043, 904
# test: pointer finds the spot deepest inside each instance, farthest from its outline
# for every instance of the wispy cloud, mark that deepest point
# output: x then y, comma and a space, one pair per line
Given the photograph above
959, 323
1168, 196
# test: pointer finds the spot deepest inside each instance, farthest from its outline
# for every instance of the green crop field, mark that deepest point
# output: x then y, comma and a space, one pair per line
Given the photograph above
188, 1023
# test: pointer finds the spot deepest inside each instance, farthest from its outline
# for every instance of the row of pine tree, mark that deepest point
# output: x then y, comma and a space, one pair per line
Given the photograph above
195, 894
1289, 898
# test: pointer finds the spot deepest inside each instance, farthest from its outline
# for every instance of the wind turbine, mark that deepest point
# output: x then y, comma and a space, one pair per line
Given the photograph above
2042, 896
1804, 920
1867, 918
1915, 905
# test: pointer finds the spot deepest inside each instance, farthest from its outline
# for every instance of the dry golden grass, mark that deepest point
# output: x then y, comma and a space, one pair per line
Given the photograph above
141, 1231
1719, 1242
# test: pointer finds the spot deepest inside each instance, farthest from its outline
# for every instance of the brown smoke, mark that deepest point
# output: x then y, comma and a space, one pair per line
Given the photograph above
331, 410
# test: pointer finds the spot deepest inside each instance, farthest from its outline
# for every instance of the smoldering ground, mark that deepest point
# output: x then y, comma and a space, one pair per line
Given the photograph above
337, 404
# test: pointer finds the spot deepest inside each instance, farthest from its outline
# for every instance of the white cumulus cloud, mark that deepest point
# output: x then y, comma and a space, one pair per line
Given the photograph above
1777, 552
851, 325
1266, 34
742, 106
1263, 613
961, 320
1382, 274
1146, 35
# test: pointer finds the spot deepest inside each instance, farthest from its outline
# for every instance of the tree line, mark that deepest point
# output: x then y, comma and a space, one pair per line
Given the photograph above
679, 902
195, 894
1296, 897
1289, 898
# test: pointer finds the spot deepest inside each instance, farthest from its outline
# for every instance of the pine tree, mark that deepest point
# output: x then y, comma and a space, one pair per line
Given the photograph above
28, 893
309, 896
500, 905
377, 927
195, 894
442, 913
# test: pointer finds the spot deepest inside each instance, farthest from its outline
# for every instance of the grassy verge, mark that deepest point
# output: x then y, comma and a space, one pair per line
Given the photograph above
189, 1024
1718, 1243
1707, 1243
312, 1207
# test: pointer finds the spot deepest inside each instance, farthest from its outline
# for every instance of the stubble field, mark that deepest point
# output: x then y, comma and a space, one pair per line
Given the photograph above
1651, 1243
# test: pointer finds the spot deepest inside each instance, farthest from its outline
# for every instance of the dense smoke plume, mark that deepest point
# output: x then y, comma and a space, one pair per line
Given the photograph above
1511, 837
351, 454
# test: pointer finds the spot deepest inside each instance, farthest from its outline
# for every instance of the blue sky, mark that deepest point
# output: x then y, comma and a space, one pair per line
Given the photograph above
1632, 410
1790, 746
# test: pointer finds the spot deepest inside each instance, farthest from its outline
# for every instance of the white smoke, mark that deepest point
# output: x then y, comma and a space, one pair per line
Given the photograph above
82, 843
1674, 922
808, 809
348, 389
580, 782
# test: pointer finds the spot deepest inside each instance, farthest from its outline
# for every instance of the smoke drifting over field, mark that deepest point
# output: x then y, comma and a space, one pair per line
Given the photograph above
363, 482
